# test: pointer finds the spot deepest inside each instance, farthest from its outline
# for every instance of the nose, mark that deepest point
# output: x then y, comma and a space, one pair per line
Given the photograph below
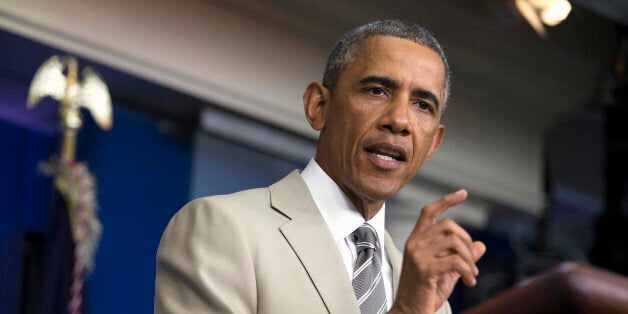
395, 117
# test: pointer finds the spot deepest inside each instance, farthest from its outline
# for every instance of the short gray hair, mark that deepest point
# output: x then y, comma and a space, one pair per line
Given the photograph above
348, 47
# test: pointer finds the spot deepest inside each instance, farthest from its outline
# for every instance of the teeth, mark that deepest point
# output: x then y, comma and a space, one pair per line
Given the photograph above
385, 151
384, 157
394, 154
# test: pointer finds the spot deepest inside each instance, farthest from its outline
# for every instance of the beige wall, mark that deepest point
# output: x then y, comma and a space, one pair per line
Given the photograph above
237, 61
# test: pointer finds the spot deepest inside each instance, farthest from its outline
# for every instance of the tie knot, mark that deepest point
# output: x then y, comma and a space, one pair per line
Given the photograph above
365, 237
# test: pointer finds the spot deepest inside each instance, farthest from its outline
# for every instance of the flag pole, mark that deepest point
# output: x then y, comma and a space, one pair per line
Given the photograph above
58, 78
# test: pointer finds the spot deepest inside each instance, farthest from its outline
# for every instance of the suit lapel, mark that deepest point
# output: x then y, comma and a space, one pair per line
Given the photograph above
312, 242
396, 259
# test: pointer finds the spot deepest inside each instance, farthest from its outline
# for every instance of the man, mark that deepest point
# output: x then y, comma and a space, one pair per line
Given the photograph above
312, 242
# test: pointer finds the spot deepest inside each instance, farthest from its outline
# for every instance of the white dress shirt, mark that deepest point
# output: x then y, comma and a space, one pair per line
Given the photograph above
343, 218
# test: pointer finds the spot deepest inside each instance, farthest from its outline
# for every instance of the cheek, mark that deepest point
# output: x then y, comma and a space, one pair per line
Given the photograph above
354, 124
423, 140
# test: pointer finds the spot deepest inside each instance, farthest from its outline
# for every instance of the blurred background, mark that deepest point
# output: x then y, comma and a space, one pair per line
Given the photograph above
207, 100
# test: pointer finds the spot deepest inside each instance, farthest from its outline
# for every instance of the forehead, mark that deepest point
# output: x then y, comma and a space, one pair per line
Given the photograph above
402, 60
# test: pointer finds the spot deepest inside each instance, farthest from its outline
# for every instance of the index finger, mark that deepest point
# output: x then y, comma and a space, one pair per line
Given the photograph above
430, 212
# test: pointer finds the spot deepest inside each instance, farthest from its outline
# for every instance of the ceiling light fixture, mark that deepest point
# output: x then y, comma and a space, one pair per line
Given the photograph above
543, 12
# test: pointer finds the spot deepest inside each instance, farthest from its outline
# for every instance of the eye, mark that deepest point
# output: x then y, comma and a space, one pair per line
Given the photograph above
377, 91
425, 106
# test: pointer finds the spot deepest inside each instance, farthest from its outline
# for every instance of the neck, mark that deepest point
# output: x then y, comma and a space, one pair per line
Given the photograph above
367, 208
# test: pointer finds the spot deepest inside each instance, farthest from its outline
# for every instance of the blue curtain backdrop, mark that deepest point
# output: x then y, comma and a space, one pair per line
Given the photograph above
143, 178
24, 203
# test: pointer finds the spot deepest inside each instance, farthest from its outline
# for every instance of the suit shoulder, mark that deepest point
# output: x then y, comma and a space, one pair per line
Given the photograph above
246, 197
242, 201
221, 213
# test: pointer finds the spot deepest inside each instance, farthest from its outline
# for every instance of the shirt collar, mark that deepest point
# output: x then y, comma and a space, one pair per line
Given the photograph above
340, 215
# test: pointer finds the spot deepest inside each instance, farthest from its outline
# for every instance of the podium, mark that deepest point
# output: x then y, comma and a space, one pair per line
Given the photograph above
568, 288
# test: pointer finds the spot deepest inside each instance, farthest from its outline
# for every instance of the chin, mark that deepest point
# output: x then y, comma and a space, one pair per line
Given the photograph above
380, 192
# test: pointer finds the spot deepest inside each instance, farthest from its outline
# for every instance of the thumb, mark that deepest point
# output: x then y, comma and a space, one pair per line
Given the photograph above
478, 250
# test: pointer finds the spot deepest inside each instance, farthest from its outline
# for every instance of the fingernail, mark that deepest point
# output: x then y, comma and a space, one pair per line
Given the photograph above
477, 271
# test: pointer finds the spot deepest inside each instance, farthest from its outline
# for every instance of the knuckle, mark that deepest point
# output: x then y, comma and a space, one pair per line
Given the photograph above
460, 263
411, 250
428, 209
454, 266
411, 243
448, 223
463, 251
456, 247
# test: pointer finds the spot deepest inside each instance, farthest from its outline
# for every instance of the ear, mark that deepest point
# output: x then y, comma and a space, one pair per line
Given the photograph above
438, 138
315, 101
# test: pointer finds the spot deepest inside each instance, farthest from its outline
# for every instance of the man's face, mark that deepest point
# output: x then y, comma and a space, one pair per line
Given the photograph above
382, 121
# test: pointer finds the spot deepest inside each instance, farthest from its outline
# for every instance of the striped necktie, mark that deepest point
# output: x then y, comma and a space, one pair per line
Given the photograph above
367, 273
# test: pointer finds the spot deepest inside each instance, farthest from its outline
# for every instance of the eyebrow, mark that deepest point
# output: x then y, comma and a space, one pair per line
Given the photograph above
382, 80
392, 84
422, 93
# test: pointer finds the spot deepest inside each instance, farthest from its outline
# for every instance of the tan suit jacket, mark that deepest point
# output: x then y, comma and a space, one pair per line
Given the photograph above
265, 250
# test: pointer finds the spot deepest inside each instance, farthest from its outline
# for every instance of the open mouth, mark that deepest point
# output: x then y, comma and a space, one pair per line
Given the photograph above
387, 152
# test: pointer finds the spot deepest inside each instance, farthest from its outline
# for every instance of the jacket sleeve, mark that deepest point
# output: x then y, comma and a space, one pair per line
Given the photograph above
204, 264
444, 309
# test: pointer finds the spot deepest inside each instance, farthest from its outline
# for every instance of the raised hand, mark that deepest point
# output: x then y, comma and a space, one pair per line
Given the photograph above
436, 255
